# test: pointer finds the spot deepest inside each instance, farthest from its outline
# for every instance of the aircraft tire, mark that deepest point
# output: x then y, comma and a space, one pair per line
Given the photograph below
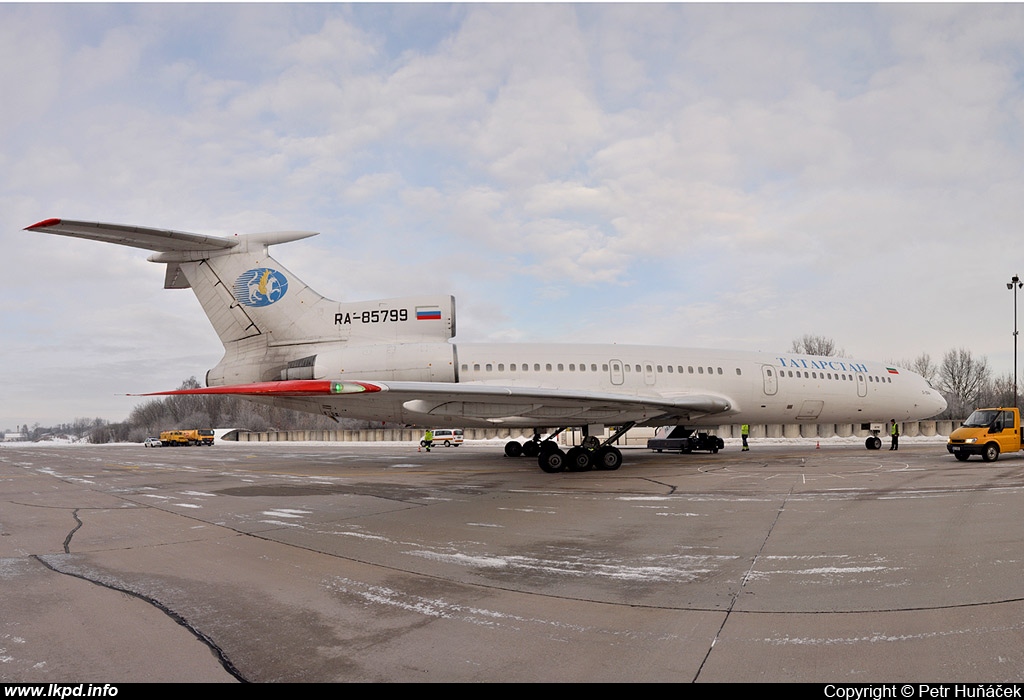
578, 460
608, 458
531, 448
548, 446
552, 462
513, 449
873, 443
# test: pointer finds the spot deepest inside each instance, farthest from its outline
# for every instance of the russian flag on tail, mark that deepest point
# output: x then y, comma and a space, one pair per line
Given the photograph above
428, 313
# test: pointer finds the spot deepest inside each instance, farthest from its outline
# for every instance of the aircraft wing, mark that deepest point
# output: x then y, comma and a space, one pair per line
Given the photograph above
495, 404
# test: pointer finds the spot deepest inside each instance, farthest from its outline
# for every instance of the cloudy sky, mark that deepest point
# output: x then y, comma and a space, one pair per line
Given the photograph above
694, 175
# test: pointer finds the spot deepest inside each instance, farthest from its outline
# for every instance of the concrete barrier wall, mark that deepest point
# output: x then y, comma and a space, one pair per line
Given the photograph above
637, 436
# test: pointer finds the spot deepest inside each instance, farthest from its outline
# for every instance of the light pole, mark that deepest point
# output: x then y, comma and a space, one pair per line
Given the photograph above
1014, 284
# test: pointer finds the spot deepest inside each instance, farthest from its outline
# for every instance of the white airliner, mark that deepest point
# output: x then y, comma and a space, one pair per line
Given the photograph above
393, 360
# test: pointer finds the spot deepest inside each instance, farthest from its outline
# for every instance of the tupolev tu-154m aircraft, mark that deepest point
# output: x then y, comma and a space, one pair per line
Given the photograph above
394, 360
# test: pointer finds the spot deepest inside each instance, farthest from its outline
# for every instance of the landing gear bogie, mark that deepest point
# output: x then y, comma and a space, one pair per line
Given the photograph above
591, 454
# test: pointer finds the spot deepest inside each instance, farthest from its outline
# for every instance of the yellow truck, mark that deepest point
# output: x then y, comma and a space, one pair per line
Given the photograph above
178, 438
987, 432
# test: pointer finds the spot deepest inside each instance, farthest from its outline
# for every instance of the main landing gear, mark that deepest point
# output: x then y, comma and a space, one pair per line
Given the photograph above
592, 454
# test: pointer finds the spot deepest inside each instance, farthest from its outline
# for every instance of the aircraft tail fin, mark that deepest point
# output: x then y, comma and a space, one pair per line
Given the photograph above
254, 301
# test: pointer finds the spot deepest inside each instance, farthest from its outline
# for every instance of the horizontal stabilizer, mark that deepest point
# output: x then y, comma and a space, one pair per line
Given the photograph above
159, 240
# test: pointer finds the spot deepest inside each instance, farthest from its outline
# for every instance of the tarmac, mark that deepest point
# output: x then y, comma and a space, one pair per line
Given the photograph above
361, 562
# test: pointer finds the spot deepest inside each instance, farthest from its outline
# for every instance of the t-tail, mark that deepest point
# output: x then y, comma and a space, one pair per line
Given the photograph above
272, 324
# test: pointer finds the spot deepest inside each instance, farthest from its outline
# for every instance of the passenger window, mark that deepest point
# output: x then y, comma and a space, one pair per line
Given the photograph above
476, 368
700, 370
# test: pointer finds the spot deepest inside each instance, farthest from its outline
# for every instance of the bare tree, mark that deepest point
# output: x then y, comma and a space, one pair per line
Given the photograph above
924, 366
963, 379
998, 391
816, 345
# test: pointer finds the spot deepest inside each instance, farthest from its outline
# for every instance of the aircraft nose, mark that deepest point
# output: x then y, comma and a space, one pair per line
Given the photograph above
937, 403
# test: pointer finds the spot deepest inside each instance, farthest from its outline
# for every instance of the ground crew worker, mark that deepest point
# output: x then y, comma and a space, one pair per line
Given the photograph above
895, 432
745, 433
428, 439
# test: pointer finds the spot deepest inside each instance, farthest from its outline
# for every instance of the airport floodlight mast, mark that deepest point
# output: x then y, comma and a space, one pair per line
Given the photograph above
1014, 284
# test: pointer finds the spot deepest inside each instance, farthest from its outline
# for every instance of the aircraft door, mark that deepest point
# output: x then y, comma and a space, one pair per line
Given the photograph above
615, 371
862, 385
771, 380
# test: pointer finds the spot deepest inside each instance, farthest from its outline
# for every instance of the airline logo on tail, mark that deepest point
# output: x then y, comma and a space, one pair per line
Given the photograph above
260, 287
